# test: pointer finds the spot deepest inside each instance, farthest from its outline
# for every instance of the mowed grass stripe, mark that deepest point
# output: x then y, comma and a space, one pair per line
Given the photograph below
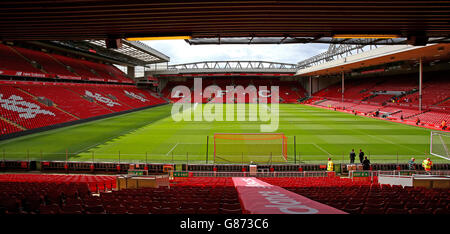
154, 134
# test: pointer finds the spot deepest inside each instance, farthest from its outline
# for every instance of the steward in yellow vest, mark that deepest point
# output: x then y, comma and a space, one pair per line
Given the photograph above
330, 165
426, 164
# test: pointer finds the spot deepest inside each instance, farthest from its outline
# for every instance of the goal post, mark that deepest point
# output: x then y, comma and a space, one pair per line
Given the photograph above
440, 144
250, 147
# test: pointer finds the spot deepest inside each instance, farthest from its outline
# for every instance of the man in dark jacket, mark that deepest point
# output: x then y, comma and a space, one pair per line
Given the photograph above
352, 156
361, 155
366, 164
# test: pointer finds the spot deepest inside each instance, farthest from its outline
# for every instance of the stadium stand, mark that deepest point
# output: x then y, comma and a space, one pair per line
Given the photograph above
11, 60
289, 92
361, 197
365, 96
23, 109
73, 194
67, 99
7, 127
78, 67
49, 64
17, 59
34, 105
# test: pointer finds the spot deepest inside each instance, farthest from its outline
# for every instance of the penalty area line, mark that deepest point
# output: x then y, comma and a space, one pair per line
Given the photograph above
172, 148
318, 147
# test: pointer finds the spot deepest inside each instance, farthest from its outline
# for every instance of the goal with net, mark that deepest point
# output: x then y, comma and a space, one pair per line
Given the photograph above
440, 144
250, 147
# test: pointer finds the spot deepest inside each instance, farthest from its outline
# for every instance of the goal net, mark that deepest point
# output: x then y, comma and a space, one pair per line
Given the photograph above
440, 144
250, 147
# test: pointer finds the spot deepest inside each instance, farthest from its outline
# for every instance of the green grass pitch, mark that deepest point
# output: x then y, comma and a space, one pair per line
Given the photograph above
152, 135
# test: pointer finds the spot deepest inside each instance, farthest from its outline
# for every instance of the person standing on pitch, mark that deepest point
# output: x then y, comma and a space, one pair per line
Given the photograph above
361, 156
330, 165
426, 164
411, 164
352, 156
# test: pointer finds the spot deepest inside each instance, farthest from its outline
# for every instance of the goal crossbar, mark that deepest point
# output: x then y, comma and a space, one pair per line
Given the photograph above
250, 147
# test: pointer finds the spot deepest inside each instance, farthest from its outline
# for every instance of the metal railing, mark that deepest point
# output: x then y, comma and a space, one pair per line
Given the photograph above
397, 173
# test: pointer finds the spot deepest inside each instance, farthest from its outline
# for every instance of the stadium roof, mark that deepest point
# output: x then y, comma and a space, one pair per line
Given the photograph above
247, 67
287, 39
255, 21
378, 56
137, 50
131, 53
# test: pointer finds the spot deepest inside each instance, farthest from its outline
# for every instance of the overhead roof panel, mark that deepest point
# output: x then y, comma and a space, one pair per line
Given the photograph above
102, 19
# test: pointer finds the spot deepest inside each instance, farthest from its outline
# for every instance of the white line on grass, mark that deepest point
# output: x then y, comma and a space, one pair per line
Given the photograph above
393, 143
321, 149
172, 148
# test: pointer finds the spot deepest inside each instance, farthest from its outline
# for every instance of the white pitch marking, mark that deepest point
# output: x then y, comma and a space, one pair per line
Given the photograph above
172, 148
321, 149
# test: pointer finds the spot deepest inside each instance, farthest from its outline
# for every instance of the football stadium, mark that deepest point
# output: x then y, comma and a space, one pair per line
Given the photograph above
94, 120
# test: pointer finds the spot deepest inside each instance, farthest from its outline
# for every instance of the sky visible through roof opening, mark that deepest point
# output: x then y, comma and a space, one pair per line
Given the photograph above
180, 51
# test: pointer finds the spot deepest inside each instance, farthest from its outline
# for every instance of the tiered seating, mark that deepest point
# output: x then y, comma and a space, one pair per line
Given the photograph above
94, 183
106, 71
405, 112
445, 104
67, 100
435, 90
434, 103
363, 198
434, 118
361, 89
49, 194
10, 60
354, 90
289, 92
101, 97
48, 63
365, 108
174, 200
152, 96
204, 181
69, 194
337, 104
15, 59
380, 98
77, 66
117, 73
6, 128
70, 102
22, 109
32, 197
